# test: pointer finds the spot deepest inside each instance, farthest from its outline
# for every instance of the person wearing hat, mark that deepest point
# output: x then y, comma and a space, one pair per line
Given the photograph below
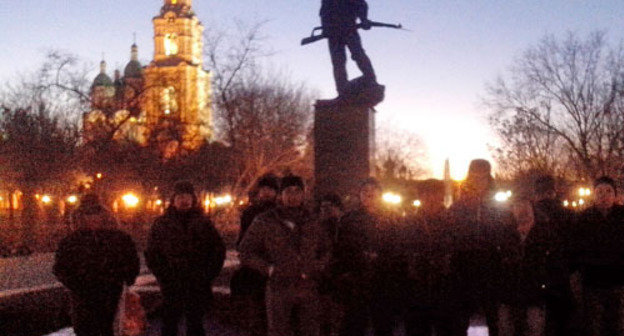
247, 285
370, 264
94, 262
262, 199
185, 253
601, 260
288, 246
482, 254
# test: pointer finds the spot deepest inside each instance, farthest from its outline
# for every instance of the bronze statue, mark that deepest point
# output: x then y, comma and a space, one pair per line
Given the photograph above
339, 20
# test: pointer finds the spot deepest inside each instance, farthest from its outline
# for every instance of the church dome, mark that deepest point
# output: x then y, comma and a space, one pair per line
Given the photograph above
102, 79
133, 68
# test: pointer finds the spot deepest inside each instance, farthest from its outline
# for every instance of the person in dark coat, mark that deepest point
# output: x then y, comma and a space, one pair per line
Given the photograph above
94, 262
248, 285
544, 299
601, 260
288, 245
482, 235
371, 265
329, 209
185, 253
263, 198
338, 18
428, 290
548, 260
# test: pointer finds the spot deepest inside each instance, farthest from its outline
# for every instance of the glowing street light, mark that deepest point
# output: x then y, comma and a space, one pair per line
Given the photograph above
581, 202
72, 199
392, 198
223, 200
502, 196
159, 202
130, 200
98, 176
566, 203
417, 203
584, 192
46, 199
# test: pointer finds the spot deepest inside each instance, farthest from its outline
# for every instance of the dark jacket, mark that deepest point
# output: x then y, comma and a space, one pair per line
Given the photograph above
90, 262
291, 241
184, 248
600, 241
369, 254
484, 252
245, 280
249, 214
544, 266
427, 258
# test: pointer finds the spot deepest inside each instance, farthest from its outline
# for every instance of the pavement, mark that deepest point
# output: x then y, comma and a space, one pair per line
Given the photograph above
33, 274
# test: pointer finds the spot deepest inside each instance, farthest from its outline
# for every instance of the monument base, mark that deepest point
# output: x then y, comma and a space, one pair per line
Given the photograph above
344, 138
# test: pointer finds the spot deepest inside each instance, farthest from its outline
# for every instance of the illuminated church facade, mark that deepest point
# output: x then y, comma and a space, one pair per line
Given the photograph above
169, 99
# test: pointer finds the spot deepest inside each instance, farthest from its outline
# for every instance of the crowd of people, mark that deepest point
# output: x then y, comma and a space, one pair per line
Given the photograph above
531, 268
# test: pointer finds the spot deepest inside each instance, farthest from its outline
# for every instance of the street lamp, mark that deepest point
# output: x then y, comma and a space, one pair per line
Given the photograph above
130, 200
46, 199
392, 198
72, 199
502, 196
223, 200
417, 203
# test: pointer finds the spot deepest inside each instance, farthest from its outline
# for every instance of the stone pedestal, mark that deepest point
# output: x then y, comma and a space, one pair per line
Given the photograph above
344, 142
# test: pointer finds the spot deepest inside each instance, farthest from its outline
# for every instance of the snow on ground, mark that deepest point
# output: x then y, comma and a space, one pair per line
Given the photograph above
63, 332
472, 331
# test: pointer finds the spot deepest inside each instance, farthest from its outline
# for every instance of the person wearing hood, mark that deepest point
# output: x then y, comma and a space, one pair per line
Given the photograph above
289, 247
94, 262
185, 253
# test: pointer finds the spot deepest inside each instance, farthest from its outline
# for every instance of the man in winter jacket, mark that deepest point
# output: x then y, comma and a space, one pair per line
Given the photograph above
482, 236
248, 285
428, 290
329, 211
289, 247
370, 264
185, 253
601, 260
94, 262
547, 259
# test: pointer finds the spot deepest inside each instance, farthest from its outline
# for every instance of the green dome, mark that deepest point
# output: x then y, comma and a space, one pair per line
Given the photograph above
133, 69
102, 79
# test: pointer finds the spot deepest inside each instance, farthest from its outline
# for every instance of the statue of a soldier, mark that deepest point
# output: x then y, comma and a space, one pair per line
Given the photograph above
339, 22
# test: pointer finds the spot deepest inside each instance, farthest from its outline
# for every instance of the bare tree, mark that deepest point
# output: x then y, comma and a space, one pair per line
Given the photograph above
559, 109
37, 154
263, 116
399, 154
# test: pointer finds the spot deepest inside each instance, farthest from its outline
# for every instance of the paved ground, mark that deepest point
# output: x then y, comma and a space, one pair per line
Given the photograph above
25, 274
20, 274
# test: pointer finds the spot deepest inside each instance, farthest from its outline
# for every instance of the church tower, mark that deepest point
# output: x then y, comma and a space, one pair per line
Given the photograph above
177, 87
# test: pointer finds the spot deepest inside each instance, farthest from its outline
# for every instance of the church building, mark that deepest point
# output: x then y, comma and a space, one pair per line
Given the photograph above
168, 100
